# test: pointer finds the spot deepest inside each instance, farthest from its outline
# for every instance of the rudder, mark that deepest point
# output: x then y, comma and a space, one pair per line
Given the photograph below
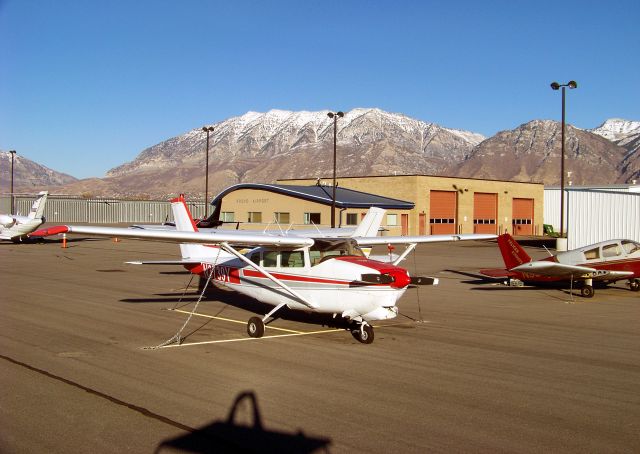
512, 253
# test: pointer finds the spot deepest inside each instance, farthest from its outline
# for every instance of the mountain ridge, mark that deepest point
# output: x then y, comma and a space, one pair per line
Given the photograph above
278, 144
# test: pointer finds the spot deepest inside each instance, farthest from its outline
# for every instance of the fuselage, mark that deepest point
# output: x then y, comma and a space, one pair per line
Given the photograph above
613, 255
19, 227
331, 279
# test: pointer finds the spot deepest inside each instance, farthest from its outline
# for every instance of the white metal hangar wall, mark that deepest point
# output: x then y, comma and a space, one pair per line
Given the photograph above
594, 216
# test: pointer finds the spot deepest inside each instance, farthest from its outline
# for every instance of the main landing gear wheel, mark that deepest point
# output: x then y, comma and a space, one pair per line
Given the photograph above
587, 291
634, 285
363, 333
255, 327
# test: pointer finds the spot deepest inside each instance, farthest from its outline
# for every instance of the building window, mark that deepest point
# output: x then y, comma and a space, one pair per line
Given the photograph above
441, 220
352, 218
312, 218
392, 219
484, 221
227, 216
255, 217
281, 217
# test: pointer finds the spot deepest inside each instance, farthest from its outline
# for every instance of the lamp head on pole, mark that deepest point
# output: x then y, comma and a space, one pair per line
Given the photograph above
572, 84
207, 128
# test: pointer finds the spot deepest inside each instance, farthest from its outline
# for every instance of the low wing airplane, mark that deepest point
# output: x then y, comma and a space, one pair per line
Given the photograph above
604, 262
15, 227
322, 275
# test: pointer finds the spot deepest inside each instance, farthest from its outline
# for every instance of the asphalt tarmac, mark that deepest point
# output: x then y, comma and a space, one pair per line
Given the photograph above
488, 369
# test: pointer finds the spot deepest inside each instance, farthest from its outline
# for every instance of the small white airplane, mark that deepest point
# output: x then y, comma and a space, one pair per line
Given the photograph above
15, 227
314, 274
604, 262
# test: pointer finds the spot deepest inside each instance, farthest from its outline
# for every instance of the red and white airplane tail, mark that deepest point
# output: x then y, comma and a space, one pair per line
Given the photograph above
512, 253
184, 223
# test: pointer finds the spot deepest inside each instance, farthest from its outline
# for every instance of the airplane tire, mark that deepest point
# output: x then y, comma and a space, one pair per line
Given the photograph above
255, 327
363, 334
634, 285
587, 291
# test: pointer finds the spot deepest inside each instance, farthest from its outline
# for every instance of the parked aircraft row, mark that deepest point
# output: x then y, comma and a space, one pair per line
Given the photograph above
324, 274
329, 271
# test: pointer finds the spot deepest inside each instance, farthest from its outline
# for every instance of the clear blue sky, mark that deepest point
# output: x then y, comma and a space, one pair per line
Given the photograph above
87, 85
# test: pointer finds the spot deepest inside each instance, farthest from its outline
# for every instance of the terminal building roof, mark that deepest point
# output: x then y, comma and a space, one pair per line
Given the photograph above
345, 198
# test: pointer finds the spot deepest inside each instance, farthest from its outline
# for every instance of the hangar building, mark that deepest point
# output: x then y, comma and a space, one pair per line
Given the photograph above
416, 204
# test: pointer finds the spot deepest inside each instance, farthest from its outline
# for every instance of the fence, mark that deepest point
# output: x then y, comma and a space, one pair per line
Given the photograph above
67, 209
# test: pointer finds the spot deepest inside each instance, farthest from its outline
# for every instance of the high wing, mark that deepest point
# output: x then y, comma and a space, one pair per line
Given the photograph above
555, 269
369, 226
372, 241
217, 237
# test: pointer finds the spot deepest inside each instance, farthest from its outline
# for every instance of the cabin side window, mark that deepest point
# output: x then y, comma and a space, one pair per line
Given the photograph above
611, 250
270, 259
592, 254
292, 259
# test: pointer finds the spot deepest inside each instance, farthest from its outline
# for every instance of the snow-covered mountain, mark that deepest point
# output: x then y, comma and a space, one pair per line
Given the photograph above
263, 147
626, 134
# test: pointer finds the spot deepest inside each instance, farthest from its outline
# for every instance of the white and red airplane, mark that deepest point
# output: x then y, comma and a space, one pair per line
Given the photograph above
313, 274
15, 227
604, 262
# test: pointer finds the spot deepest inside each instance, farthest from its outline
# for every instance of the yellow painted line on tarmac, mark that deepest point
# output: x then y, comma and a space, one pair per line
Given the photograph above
289, 332
242, 339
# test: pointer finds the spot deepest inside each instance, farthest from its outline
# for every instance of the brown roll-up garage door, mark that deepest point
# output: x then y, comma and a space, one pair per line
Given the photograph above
522, 218
442, 208
485, 208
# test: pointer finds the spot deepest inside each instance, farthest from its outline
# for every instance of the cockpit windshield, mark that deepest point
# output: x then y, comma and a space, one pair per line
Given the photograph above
324, 249
630, 246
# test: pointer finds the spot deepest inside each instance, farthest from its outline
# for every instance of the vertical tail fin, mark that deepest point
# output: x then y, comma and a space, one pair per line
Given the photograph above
184, 223
512, 253
370, 223
37, 209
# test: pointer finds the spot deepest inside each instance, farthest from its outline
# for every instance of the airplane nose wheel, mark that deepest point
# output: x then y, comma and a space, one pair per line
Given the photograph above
255, 327
363, 333
634, 285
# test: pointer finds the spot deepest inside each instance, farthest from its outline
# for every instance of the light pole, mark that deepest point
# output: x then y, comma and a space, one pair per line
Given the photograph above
335, 138
13, 152
555, 86
206, 129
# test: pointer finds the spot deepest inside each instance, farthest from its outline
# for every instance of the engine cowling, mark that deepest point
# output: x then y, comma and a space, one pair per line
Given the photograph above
7, 221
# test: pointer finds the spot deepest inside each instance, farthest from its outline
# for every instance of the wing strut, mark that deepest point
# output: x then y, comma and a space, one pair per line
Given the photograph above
406, 252
268, 275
